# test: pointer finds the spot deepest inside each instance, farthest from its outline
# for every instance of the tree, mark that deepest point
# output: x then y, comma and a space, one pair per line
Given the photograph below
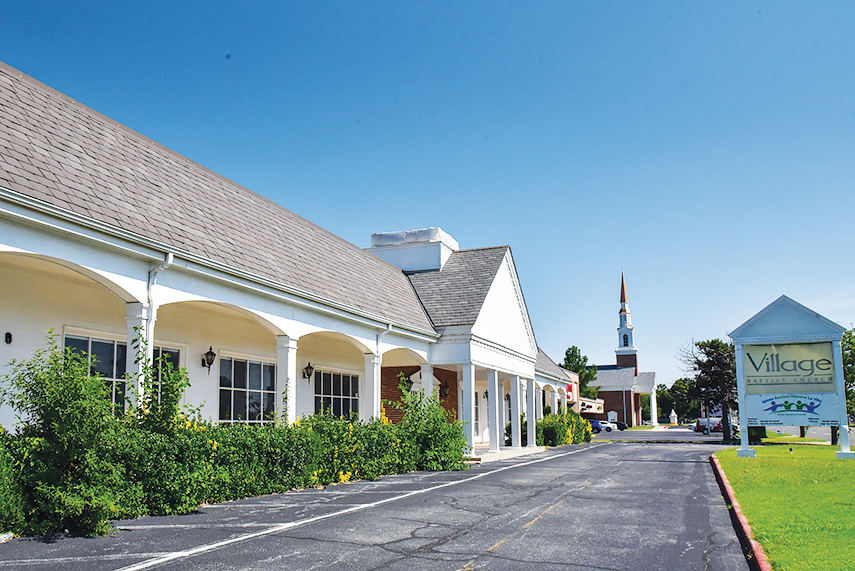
575, 361
847, 346
714, 364
686, 398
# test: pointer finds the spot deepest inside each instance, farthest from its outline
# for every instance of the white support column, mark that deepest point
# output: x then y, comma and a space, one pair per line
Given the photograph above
837, 358
554, 402
427, 379
744, 451
539, 403
516, 410
531, 413
286, 378
654, 408
494, 398
370, 405
564, 402
136, 318
467, 403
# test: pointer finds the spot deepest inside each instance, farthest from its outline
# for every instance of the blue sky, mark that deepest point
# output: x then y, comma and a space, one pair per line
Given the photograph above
705, 148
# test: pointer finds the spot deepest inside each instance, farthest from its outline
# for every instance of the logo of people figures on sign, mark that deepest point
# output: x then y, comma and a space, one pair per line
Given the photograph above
792, 405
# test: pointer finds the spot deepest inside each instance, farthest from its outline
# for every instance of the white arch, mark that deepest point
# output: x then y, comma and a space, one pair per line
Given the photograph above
246, 312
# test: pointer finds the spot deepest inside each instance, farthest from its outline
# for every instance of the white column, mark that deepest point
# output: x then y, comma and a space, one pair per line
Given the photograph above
286, 378
530, 413
370, 405
564, 402
837, 358
744, 451
466, 409
539, 403
494, 400
136, 318
427, 379
654, 408
516, 410
554, 404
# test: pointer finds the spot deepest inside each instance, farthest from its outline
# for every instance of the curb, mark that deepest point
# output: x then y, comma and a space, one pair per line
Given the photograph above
756, 556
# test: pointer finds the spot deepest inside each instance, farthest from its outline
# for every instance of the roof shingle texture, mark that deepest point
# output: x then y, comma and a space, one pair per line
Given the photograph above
547, 365
454, 295
57, 151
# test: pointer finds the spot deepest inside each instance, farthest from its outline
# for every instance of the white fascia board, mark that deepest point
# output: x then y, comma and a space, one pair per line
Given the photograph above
27, 210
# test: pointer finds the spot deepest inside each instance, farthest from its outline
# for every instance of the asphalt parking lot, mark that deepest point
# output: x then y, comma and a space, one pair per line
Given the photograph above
614, 506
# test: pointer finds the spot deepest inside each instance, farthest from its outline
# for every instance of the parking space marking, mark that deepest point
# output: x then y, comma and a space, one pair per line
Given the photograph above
277, 528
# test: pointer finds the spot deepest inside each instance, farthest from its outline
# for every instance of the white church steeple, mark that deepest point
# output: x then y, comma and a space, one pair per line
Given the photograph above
626, 352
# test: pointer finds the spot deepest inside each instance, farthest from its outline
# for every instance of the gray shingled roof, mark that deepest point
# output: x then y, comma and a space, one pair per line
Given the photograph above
454, 295
547, 365
60, 152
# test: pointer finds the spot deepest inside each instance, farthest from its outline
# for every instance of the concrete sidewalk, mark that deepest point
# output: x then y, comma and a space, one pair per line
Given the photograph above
482, 455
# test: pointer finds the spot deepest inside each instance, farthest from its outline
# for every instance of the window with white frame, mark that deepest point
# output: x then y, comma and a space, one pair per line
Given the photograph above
337, 392
247, 390
108, 359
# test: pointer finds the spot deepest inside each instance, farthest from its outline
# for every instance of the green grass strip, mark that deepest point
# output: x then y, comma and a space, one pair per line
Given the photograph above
800, 504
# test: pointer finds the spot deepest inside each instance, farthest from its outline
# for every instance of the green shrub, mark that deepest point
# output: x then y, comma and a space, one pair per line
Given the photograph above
436, 435
554, 430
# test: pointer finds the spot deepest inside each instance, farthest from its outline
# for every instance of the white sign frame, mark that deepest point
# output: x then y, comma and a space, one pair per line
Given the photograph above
787, 322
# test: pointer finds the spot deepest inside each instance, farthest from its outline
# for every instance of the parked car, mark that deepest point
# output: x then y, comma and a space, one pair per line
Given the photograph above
621, 425
596, 428
608, 426
714, 424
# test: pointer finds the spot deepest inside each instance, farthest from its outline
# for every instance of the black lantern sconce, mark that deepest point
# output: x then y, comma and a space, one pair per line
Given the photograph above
309, 373
508, 397
208, 358
444, 390
8, 338
409, 383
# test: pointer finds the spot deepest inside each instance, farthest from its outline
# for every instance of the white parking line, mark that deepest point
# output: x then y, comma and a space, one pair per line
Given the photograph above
276, 528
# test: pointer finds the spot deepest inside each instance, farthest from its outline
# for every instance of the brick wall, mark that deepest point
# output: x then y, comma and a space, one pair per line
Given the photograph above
389, 388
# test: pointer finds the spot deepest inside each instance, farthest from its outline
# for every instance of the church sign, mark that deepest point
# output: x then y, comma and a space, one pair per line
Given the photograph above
789, 372
790, 385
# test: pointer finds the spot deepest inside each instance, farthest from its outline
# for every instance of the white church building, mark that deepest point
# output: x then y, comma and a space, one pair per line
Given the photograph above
104, 232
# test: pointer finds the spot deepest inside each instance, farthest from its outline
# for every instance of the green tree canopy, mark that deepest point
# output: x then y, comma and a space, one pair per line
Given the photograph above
714, 364
847, 345
575, 361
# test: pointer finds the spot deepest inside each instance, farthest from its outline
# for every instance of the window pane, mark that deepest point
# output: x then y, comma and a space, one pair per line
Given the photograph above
173, 357
255, 376
120, 397
345, 407
336, 406
239, 410
225, 374
336, 384
354, 385
225, 405
121, 360
269, 377
317, 383
254, 406
327, 384
354, 406
269, 406
240, 374
317, 405
327, 403
345, 385
103, 358
79, 345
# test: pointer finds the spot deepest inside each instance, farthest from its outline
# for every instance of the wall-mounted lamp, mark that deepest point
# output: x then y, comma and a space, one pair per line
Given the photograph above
508, 397
444, 390
8, 338
309, 373
409, 383
208, 358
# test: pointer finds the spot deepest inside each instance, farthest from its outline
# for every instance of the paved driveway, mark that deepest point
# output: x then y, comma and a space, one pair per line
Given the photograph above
599, 506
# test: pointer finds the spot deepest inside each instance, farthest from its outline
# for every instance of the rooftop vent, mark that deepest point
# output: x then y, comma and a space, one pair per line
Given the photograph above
414, 250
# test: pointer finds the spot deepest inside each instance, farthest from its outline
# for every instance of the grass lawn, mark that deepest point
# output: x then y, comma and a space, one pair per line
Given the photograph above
801, 505
784, 437
640, 428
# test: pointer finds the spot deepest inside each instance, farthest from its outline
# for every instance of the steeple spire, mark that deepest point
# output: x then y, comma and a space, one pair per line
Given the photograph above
626, 352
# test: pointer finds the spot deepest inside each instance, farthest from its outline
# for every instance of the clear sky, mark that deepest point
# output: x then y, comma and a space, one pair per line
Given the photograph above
705, 148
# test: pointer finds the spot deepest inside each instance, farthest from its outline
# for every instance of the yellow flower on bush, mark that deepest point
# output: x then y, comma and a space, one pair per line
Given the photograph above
344, 477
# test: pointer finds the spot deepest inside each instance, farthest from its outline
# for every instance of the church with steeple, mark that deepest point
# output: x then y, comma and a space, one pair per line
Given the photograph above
621, 385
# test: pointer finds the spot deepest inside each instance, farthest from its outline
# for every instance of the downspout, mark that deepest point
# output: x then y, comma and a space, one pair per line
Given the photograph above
380, 336
152, 308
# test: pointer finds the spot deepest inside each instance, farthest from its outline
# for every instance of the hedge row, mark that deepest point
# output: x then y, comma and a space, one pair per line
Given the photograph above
555, 430
74, 465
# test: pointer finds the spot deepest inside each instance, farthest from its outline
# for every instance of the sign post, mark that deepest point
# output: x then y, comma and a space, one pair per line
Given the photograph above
789, 372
